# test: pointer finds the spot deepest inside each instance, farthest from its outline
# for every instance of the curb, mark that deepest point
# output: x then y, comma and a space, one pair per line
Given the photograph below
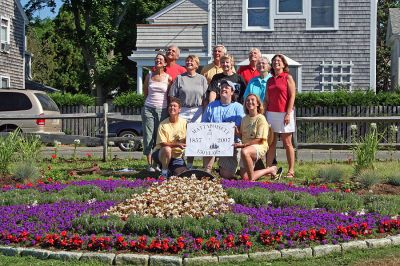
152, 260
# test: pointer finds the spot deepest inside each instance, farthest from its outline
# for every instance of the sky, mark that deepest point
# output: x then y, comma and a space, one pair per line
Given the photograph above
45, 13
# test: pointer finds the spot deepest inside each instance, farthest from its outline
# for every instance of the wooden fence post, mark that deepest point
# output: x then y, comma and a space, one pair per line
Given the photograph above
105, 137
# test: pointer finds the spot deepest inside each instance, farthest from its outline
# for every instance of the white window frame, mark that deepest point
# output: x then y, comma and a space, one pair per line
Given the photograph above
245, 26
335, 17
290, 15
7, 32
1, 81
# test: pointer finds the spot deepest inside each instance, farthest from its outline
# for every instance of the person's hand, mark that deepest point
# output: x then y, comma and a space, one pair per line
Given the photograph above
286, 119
238, 145
181, 145
237, 131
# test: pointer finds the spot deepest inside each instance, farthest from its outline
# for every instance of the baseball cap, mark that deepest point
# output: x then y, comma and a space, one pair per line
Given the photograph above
225, 82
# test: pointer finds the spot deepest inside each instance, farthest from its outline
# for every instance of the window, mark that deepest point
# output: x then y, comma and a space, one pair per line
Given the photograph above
4, 35
336, 73
256, 15
13, 101
5, 82
47, 103
323, 14
290, 6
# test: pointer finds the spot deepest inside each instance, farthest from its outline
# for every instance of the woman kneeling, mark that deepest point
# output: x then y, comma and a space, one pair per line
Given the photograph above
254, 131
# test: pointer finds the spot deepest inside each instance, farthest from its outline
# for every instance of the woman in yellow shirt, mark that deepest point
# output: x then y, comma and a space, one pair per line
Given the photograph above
254, 131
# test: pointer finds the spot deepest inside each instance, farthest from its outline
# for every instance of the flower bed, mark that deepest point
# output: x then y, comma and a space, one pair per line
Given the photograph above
52, 225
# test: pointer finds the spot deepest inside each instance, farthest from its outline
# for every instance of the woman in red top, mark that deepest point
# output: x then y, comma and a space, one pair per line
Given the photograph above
279, 103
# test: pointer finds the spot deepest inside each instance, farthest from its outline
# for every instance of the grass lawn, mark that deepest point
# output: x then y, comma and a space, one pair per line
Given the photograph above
372, 257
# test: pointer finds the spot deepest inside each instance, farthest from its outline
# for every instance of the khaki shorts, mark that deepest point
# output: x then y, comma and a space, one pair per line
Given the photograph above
230, 163
260, 153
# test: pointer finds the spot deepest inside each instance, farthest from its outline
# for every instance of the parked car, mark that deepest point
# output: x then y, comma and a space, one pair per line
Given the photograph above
126, 129
29, 102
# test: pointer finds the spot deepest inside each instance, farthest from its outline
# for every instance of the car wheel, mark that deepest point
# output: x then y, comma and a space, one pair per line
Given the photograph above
125, 146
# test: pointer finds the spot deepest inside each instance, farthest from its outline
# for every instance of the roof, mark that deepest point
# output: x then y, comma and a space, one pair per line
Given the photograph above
164, 10
21, 10
290, 61
33, 85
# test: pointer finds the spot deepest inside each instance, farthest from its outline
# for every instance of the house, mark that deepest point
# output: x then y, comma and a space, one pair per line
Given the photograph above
12, 49
333, 42
393, 41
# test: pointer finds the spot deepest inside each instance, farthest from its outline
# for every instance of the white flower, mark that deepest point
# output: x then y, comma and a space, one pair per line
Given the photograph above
111, 143
353, 127
56, 143
77, 141
394, 128
373, 125
38, 136
131, 143
91, 201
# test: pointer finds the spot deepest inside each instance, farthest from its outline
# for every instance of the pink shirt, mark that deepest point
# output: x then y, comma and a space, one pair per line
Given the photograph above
278, 93
157, 92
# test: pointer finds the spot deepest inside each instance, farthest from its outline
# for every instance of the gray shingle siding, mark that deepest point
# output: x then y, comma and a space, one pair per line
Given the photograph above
188, 12
12, 63
309, 48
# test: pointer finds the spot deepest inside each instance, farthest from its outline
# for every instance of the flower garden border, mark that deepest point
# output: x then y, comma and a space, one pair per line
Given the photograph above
140, 259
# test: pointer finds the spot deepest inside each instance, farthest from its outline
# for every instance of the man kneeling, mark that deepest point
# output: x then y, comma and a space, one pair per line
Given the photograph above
170, 144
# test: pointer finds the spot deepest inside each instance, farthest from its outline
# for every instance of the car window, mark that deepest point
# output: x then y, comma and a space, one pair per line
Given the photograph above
14, 101
47, 103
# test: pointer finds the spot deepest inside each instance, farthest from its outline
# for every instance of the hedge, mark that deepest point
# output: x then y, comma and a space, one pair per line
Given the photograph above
68, 99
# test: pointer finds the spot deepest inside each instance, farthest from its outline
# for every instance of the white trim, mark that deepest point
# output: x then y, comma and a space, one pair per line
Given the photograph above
245, 27
307, 12
372, 60
21, 10
163, 11
209, 29
8, 34
1, 81
289, 15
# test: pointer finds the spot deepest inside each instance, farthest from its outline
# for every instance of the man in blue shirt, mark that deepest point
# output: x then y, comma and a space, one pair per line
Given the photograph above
224, 110
258, 85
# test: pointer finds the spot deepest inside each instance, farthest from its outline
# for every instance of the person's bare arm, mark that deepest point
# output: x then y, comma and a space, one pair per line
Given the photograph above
146, 85
291, 98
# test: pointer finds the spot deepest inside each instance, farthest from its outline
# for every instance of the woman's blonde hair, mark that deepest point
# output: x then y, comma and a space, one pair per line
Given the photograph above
195, 58
260, 107
228, 57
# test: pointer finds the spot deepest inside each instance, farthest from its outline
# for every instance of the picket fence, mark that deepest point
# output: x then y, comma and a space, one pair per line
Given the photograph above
307, 132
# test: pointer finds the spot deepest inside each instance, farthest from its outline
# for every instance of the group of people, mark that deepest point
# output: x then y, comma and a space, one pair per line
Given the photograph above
177, 95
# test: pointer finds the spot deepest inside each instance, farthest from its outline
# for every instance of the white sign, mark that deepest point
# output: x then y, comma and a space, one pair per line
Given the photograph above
210, 139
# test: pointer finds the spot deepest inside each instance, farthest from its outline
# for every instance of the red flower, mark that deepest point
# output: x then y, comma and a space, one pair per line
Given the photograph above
54, 156
213, 244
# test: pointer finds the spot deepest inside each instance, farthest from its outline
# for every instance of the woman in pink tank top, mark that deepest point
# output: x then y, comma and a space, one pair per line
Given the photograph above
155, 89
279, 103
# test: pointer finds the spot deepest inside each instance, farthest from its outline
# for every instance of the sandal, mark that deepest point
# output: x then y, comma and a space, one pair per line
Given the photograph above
278, 174
290, 175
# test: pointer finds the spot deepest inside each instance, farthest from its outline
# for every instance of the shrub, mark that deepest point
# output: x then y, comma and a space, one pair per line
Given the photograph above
368, 178
29, 148
365, 151
129, 99
8, 146
26, 171
346, 98
331, 174
394, 179
382, 204
254, 197
339, 201
68, 99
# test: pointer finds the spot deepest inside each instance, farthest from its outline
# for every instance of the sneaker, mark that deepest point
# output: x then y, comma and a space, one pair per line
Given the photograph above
164, 173
158, 169
150, 169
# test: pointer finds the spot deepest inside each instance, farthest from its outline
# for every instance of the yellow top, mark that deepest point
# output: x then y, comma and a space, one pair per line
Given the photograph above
255, 128
210, 70
172, 133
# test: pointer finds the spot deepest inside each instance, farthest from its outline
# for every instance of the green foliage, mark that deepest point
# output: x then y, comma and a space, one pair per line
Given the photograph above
368, 178
29, 148
26, 171
8, 146
346, 98
340, 201
68, 99
256, 197
97, 225
365, 151
129, 99
383, 204
394, 179
331, 174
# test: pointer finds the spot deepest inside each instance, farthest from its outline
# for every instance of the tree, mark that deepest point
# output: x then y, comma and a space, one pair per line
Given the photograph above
97, 30
382, 50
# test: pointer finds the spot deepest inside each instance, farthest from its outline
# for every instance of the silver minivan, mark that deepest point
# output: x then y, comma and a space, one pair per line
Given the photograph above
30, 102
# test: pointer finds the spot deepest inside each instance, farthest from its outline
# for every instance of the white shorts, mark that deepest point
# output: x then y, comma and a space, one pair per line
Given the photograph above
275, 119
259, 155
191, 114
